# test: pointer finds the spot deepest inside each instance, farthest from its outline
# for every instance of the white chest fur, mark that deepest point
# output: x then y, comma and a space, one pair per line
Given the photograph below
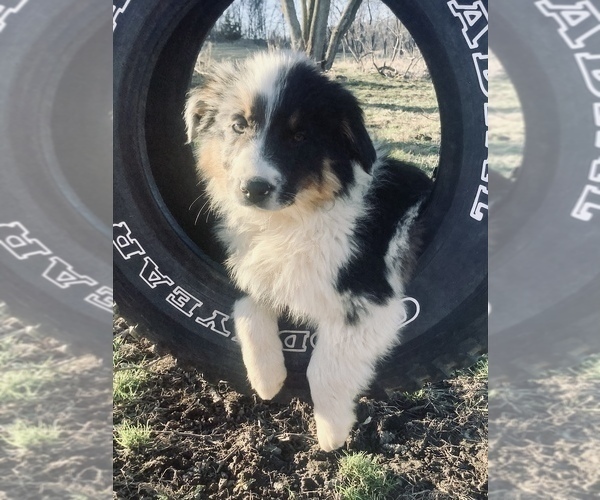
290, 261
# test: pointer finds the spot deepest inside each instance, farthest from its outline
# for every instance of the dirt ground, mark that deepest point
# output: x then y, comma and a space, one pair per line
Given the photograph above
210, 442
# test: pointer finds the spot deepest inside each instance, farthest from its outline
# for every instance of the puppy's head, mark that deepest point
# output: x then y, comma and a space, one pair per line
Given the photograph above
273, 132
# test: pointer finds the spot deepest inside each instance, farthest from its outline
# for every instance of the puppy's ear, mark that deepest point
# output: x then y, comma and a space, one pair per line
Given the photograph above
196, 107
360, 144
202, 102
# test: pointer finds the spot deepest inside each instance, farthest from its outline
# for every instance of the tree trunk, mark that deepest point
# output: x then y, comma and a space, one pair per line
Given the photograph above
311, 35
339, 31
305, 17
289, 12
315, 45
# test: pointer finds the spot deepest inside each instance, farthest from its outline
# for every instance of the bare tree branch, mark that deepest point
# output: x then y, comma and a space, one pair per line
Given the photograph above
310, 14
289, 12
340, 30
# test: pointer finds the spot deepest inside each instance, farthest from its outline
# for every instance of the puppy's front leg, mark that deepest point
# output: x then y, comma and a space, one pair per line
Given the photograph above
341, 368
262, 352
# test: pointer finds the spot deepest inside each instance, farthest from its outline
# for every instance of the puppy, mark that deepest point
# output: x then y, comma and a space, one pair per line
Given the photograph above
317, 225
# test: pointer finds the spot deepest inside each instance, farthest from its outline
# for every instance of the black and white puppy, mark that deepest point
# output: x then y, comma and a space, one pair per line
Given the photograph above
317, 225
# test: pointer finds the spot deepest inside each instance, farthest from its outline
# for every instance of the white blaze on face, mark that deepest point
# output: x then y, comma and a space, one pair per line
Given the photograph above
262, 76
251, 163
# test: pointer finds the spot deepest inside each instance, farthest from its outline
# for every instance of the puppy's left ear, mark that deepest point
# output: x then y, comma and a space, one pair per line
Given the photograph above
360, 144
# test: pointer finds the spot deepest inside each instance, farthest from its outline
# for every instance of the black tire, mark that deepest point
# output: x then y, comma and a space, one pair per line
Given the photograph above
55, 193
171, 285
544, 274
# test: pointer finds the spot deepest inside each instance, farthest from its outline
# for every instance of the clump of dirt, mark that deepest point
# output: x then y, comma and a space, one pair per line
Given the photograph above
212, 442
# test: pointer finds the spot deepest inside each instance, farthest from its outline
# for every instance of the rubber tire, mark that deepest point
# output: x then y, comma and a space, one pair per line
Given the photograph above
544, 275
156, 261
55, 194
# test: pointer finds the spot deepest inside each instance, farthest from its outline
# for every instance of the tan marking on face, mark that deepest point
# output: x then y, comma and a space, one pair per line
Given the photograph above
318, 193
210, 165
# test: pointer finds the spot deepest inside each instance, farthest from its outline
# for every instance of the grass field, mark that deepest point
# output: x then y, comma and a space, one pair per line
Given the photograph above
402, 114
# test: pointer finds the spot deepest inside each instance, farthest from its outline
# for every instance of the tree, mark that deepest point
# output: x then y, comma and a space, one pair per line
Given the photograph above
256, 19
312, 34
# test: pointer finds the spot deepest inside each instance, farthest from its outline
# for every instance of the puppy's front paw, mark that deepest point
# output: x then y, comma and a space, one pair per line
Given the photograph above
268, 376
333, 432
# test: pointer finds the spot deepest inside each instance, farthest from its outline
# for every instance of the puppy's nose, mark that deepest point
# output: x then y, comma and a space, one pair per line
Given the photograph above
256, 189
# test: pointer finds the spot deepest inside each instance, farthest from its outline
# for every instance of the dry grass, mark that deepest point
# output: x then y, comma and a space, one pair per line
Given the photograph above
401, 114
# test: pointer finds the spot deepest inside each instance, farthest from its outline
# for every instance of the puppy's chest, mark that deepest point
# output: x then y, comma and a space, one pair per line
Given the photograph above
291, 268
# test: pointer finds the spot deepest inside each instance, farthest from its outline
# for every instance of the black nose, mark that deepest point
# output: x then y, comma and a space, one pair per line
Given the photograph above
256, 189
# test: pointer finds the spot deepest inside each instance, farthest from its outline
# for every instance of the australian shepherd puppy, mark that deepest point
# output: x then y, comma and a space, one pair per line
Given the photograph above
317, 225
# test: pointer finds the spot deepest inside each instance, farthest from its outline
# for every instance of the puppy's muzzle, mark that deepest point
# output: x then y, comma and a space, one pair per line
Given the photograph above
256, 190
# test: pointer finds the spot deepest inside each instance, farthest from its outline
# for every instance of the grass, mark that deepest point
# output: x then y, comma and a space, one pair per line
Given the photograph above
128, 384
401, 114
129, 381
27, 383
118, 354
480, 369
416, 396
26, 436
132, 436
362, 477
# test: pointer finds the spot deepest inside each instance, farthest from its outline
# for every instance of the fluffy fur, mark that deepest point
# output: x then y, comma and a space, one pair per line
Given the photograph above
317, 224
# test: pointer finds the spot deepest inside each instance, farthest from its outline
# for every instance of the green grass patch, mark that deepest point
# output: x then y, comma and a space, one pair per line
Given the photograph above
118, 354
416, 396
361, 477
25, 383
26, 436
129, 384
480, 369
132, 436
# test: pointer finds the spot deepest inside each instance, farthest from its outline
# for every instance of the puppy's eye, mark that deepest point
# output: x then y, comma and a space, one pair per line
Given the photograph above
239, 126
299, 137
